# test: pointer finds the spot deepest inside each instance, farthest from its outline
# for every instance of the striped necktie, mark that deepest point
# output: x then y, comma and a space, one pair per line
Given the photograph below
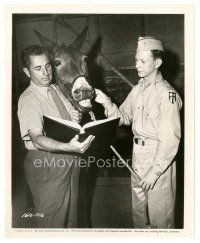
59, 104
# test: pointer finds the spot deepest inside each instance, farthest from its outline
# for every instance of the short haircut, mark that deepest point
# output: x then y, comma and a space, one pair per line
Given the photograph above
158, 54
33, 50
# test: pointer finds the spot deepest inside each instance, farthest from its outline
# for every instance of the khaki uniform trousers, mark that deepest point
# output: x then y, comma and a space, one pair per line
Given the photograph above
161, 199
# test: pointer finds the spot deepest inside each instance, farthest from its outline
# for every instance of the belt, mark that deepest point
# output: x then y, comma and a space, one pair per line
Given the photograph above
139, 141
145, 141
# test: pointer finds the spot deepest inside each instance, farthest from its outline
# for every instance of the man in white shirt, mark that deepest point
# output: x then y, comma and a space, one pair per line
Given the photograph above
51, 167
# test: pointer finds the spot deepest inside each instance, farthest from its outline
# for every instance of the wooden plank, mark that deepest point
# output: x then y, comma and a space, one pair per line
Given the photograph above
119, 60
27, 18
54, 29
93, 38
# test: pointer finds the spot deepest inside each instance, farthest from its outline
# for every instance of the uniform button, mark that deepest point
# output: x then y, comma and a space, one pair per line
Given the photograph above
147, 114
138, 107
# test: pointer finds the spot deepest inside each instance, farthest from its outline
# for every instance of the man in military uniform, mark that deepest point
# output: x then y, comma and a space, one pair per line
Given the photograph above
153, 108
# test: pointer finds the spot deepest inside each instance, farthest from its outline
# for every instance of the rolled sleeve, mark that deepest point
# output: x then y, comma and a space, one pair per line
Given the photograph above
124, 111
30, 116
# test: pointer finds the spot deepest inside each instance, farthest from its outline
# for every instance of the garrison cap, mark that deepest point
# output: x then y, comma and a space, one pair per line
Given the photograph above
149, 43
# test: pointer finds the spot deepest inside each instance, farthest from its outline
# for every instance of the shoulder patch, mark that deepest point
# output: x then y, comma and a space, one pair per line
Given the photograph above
172, 97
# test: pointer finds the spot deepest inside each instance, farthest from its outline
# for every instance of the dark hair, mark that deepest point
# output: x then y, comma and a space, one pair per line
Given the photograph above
33, 50
158, 54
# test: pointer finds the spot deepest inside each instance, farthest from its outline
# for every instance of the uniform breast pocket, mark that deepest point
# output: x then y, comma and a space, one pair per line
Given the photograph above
151, 113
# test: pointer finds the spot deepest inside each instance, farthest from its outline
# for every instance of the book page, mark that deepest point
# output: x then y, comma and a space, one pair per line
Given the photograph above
66, 122
94, 123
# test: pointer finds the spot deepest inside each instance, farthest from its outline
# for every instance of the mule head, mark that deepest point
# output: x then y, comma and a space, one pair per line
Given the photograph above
71, 71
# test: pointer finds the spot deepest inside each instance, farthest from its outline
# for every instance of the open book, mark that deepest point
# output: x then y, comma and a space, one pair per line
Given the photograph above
64, 130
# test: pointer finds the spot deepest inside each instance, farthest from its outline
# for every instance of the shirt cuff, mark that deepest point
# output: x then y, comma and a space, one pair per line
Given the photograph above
157, 170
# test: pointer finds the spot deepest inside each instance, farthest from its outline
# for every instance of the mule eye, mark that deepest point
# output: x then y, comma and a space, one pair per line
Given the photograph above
56, 63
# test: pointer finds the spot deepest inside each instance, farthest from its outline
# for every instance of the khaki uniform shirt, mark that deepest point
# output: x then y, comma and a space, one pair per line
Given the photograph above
153, 109
33, 103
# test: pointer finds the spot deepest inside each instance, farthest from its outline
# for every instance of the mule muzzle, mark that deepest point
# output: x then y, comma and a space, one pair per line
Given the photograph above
82, 93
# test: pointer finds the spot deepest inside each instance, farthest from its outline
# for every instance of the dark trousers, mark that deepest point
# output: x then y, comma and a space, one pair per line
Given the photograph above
88, 176
53, 180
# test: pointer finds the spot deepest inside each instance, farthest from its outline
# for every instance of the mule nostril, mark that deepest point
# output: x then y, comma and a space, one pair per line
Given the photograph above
77, 91
81, 94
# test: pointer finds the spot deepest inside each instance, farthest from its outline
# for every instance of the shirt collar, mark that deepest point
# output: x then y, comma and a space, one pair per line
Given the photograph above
158, 79
42, 90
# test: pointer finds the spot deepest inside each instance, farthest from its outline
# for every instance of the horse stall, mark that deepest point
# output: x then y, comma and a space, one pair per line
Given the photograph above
110, 47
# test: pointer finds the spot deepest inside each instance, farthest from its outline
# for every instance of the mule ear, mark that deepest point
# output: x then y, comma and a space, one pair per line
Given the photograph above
80, 40
45, 42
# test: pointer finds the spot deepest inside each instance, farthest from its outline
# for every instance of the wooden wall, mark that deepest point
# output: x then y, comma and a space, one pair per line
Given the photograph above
117, 35
113, 36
